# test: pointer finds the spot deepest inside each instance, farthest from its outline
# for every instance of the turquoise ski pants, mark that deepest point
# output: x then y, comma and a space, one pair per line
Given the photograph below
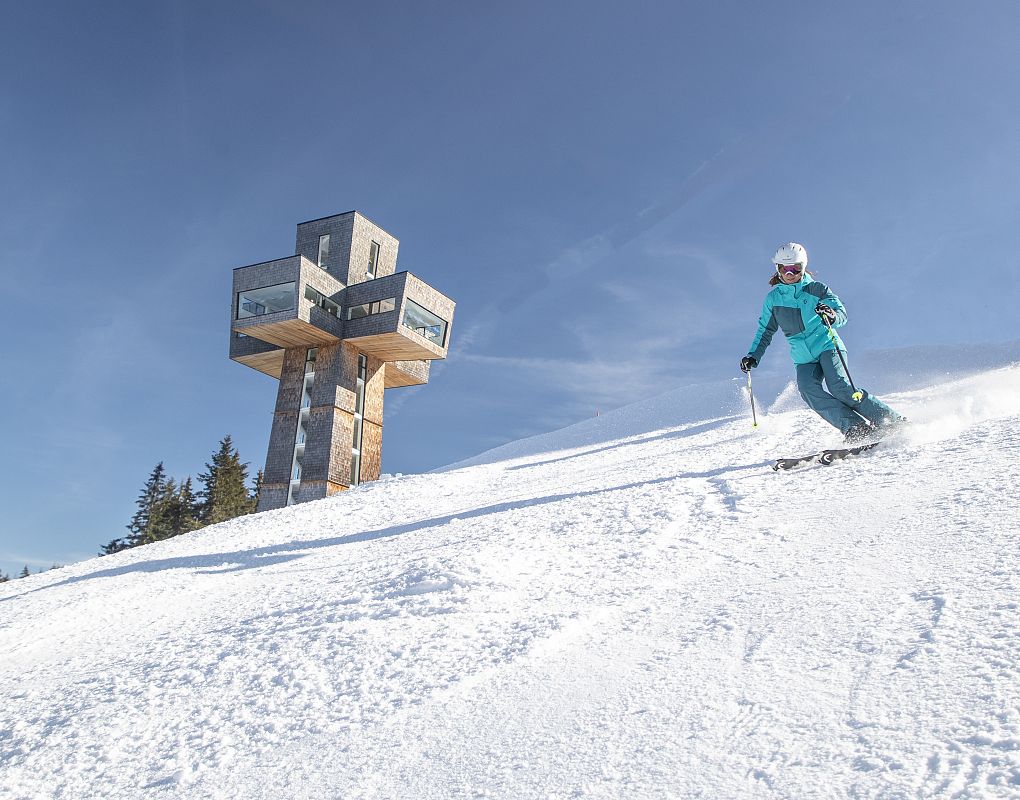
837, 406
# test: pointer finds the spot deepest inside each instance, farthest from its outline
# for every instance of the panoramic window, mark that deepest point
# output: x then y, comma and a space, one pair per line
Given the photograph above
373, 259
323, 249
323, 302
375, 307
425, 323
267, 300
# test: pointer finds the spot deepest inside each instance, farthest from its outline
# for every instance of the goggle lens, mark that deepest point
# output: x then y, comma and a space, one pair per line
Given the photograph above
791, 269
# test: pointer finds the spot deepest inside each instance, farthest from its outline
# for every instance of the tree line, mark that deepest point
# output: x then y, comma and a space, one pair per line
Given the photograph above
24, 573
168, 508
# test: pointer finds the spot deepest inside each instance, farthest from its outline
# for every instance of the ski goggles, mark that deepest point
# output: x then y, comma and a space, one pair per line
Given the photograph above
790, 269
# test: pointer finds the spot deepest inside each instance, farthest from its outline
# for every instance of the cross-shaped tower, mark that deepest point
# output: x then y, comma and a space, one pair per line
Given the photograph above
337, 325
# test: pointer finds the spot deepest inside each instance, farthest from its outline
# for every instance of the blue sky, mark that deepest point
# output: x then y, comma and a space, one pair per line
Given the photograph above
599, 187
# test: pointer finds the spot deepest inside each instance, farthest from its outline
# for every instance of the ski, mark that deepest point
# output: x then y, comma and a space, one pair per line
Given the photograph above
822, 457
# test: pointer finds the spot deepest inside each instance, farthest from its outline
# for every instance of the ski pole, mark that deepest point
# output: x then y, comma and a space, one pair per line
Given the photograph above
857, 395
754, 417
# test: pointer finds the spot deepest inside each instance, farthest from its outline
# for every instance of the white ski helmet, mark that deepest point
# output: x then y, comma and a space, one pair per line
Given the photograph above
790, 253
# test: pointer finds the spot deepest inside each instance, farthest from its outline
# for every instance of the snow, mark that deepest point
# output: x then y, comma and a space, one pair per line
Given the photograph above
635, 606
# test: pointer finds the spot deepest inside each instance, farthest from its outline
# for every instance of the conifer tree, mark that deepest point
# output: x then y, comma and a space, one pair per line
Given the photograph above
113, 546
4, 578
188, 508
176, 513
24, 573
152, 493
257, 490
224, 493
161, 514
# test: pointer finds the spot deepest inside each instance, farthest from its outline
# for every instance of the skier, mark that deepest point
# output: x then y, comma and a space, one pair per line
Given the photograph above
808, 313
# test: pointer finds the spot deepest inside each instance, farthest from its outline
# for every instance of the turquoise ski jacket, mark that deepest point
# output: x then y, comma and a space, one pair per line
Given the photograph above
792, 308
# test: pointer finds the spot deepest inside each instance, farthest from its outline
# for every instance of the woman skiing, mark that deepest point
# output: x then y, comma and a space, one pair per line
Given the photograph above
808, 313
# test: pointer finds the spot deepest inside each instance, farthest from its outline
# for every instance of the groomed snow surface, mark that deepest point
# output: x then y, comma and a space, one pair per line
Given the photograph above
634, 607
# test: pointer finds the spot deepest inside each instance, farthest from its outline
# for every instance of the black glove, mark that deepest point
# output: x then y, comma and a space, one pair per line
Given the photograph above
747, 363
827, 314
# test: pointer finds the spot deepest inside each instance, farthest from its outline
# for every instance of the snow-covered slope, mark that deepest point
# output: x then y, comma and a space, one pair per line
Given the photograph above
634, 607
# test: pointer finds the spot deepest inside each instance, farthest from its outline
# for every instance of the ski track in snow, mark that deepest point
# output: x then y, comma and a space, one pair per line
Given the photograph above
657, 615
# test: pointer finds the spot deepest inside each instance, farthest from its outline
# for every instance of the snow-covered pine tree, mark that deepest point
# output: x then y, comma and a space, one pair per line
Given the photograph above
224, 493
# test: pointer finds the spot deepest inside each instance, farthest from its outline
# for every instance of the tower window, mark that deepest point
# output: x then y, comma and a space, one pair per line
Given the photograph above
323, 249
266, 300
303, 423
359, 405
369, 309
425, 323
323, 302
373, 259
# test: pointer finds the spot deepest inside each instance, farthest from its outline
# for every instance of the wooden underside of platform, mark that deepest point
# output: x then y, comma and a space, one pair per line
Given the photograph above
397, 347
288, 333
396, 377
270, 363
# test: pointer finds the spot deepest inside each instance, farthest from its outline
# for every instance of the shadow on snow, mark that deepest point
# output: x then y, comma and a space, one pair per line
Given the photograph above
256, 558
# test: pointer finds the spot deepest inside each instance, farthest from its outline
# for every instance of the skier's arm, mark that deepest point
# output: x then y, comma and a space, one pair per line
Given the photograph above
825, 296
767, 326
